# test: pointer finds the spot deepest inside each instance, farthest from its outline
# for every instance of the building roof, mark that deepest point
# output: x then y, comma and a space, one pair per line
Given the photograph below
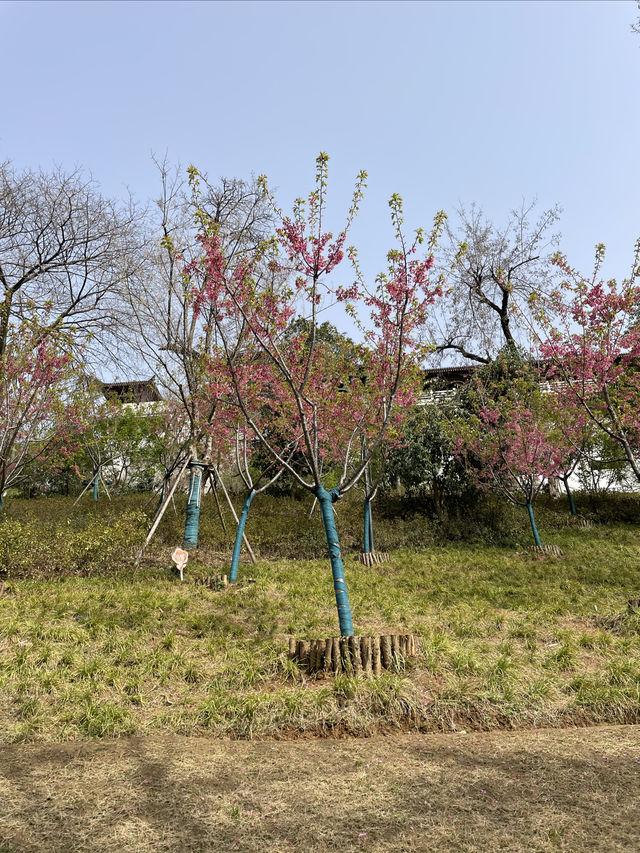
132, 391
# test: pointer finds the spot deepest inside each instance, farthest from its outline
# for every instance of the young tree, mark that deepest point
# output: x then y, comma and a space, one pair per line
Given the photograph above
179, 343
424, 461
307, 374
592, 344
37, 409
508, 442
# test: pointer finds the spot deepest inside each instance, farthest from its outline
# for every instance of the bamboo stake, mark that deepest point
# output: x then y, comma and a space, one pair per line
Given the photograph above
104, 484
89, 484
161, 512
215, 495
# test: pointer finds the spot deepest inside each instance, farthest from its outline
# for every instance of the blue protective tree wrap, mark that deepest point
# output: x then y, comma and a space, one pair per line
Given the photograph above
326, 499
95, 486
572, 505
237, 546
536, 535
372, 546
366, 533
193, 505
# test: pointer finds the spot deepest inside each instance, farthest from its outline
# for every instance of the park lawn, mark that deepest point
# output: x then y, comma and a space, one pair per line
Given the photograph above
510, 639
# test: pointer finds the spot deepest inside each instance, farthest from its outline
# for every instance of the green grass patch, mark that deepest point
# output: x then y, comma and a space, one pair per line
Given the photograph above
509, 639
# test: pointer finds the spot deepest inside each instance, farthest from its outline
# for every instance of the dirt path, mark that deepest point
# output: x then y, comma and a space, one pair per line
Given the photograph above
548, 790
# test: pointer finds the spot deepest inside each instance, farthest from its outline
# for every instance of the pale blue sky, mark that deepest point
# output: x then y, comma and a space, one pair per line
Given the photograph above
441, 102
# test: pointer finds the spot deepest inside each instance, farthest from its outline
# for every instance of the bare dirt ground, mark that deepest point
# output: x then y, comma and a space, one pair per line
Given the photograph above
546, 790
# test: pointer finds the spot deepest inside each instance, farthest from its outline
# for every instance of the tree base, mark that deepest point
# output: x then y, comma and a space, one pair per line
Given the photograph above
552, 550
582, 522
372, 558
354, 656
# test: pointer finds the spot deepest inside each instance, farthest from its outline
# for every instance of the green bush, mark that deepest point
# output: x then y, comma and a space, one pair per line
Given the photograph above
32, 549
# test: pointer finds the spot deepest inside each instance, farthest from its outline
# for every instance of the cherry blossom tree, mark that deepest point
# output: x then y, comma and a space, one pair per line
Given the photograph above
301, 259
508, 442
38, 412
590, 335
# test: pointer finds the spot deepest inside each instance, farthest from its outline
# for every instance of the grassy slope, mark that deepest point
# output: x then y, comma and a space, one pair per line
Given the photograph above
509, 640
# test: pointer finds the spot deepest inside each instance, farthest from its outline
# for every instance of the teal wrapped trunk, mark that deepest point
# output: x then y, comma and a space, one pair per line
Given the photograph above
194, 495
326, 500
235, 559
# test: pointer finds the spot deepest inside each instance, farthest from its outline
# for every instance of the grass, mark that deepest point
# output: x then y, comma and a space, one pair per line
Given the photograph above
509, 639
539, 790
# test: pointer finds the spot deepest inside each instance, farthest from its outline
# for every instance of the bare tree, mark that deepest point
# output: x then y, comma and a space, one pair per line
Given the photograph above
65, 252
171, 336
489, 271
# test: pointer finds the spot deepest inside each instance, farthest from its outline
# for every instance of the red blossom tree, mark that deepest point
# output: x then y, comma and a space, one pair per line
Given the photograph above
303, 376
508, 440
591, 340
38, 412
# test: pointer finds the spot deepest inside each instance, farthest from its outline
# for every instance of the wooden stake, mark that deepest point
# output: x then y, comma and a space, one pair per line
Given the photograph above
395, 650
356, 655
328, 654
302, 653
292, 648
346, 656
376, 663
336, 657
402, 645
385, 648
365, 645
417, 644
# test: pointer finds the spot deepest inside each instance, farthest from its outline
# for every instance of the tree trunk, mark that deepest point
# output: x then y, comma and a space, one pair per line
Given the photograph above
235, 559
326, 500
193, 505
366, 534
536, 535
95, 484
572, 505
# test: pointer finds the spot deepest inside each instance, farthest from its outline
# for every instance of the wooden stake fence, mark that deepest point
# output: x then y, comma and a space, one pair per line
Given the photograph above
554, 550
353, 655
213, 581
372, 558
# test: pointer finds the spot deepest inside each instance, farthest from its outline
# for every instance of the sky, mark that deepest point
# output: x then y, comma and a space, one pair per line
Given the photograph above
442, 102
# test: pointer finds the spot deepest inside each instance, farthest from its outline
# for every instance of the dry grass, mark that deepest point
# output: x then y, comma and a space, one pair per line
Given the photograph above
573, 790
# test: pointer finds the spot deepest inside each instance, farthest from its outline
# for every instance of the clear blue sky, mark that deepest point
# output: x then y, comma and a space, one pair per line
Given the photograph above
442, 102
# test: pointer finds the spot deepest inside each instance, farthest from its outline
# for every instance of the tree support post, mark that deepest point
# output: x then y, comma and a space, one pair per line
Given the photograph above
235, 516
326, 500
